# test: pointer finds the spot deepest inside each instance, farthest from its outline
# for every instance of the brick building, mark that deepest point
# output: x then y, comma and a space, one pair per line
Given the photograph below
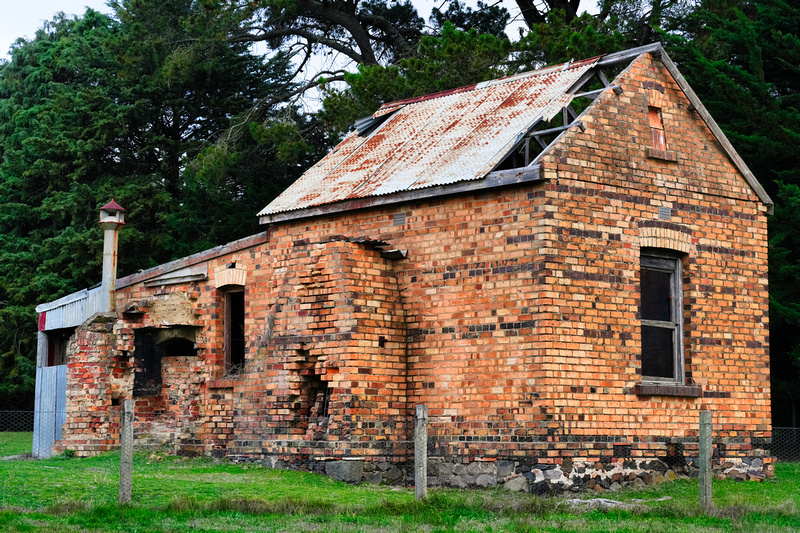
561, 267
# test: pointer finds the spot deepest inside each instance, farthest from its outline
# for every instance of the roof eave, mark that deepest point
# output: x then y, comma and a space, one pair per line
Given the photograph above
493, 180
194, 259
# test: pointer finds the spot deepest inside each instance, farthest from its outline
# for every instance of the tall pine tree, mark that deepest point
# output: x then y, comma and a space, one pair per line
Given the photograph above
99, 106
743, 60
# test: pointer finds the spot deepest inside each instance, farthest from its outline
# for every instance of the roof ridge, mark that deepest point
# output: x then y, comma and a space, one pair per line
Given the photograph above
482, 85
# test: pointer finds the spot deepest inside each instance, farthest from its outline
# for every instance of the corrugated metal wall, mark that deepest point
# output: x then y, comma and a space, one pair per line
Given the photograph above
50, 408
72, 310
51, 381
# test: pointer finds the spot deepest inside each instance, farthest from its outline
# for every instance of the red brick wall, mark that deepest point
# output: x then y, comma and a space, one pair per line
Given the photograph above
514, 315
335, 316
92, 424
604, 209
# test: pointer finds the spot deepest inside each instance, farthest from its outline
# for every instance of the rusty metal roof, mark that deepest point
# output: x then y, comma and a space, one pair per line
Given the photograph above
434, 140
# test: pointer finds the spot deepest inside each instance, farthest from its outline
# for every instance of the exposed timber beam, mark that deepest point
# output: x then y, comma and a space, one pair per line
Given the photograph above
558, 129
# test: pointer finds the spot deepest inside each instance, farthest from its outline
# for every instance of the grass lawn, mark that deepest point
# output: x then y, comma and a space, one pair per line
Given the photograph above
15, 442
176, 495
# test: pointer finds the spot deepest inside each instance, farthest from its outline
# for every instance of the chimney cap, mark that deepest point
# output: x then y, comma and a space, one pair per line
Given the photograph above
112, 215
112, 206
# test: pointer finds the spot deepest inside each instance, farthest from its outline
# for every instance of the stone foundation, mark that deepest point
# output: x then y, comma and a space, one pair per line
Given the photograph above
541, 479
551, 479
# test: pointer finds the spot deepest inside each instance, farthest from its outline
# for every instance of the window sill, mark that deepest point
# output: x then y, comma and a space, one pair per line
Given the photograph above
664, 155
224, 383
665, 389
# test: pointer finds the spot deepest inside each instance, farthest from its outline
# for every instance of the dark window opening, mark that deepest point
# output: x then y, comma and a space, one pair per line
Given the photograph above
661, 316
234, 333
57, 343
147, 357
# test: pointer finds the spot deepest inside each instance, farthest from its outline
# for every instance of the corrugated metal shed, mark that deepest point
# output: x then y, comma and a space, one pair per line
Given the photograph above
441, 139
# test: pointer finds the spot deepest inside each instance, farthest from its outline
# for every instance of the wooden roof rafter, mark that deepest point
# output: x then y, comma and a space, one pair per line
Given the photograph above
569, 117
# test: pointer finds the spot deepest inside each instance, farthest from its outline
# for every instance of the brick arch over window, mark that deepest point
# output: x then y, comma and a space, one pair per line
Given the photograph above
665, 238
230, 278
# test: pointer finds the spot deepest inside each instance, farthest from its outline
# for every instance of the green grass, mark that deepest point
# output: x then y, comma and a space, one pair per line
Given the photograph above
176, 495
15, 442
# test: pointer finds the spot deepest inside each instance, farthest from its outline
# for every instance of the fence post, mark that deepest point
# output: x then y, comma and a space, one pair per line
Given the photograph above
126, 452
421, 452
705, 460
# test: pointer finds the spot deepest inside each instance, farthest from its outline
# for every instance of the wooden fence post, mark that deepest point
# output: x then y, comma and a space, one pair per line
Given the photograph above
126, 451
705, 460
421, 452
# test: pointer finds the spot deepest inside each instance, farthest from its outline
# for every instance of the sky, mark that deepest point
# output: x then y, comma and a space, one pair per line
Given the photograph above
21, 18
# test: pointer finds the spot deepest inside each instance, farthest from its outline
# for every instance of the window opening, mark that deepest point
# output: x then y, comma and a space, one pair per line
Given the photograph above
234, 332
147, 357
57, 343
657, 128
661, 317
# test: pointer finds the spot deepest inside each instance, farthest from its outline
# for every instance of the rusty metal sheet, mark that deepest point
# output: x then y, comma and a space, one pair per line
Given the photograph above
434, 140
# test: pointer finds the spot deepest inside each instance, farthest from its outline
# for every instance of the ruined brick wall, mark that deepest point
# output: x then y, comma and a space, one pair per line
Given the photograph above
334, 344
92, 425
470, 304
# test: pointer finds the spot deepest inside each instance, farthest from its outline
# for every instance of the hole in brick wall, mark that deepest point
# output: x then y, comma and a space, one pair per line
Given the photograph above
313, 407
675, 458
114, 402
382, 341
178, 347
622, 450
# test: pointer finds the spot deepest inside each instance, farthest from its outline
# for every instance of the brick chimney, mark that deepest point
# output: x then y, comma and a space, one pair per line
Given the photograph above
112, 217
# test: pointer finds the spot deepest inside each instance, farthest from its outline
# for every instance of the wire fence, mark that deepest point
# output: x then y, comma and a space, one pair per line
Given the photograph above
16, 420
244, 435
786, 443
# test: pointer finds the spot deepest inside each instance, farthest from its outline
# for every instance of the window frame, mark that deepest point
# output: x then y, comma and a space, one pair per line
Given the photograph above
668, 262
233, 366
657, 132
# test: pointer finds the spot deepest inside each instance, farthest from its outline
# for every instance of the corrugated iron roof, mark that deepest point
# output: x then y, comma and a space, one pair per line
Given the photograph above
439, 139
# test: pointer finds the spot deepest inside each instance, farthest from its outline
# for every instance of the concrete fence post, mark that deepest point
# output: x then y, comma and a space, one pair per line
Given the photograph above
421, 452
126, 452
705, 460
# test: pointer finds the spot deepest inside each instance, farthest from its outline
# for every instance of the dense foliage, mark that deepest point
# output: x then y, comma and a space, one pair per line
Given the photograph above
743, 60
102, 106
166, 106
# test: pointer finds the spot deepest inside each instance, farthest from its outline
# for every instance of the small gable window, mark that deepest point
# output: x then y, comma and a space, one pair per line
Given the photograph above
657, 129
658, 136
661, 316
